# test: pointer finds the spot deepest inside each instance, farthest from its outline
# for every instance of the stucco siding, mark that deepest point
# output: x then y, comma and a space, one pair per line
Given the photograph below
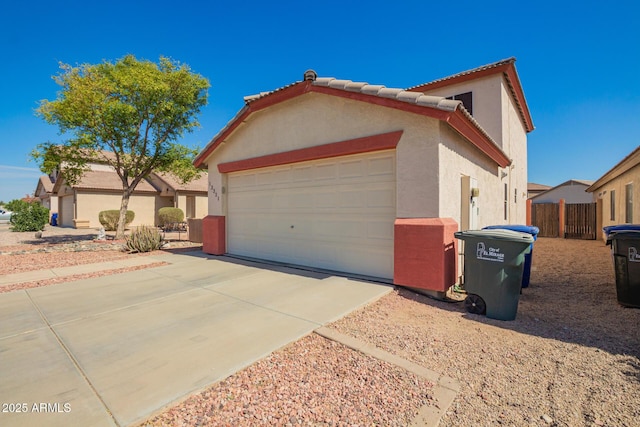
458, 158
515, 145
618, 184
90, 204
316, 119
486, 96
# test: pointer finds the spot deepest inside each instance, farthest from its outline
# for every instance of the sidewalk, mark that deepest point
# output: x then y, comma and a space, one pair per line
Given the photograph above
52, 273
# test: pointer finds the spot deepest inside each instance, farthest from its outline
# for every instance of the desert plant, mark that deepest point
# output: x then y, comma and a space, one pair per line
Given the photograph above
170, 215
109, 219
144, 239
28, 216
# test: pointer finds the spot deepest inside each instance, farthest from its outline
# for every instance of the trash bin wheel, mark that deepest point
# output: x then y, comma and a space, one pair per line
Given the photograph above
475, 304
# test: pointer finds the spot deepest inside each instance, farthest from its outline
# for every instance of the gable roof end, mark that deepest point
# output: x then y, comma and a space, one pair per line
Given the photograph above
630, 161
505, 66
440, 108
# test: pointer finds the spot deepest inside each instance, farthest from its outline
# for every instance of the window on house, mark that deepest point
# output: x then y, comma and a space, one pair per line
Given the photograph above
467, 100
628, 189
612, 205
506, 202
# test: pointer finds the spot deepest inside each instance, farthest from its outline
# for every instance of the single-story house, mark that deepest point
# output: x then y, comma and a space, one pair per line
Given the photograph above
534, 189
370, 180
572, 191
617, 190
44, 193
101, 189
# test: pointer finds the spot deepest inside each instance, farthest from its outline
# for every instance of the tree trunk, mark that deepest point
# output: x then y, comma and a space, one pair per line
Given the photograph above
123, 214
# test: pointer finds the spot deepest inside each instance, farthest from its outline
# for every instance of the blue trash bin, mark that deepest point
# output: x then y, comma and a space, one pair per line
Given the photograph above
610, 230
54, 219
526, 274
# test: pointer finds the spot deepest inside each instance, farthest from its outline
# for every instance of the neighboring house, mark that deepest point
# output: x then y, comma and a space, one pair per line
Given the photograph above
370, 180
101, 189
534, 189
572, 191
618, 191
190, 197
44, 192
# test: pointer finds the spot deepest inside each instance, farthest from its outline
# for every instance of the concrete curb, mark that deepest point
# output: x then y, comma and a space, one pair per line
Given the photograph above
445, 389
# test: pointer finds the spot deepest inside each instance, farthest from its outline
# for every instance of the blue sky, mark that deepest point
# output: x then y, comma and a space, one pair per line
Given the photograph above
579, 62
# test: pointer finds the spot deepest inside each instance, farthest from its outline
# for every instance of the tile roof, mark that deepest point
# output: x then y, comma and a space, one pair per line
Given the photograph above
630, 161
106, 180
46, 182
199, 184
416, 98
497, 64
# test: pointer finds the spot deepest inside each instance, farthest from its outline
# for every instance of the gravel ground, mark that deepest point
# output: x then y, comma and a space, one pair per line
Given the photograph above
571, 358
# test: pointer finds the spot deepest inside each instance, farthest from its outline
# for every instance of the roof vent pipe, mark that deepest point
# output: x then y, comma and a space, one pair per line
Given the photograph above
310, 75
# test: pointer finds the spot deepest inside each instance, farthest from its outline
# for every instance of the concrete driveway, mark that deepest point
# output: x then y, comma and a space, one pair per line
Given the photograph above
113, 350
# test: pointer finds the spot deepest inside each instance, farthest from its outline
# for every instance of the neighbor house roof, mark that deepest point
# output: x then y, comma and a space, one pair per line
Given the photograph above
449, 111
106, 181
532, 186
584, 182
46, 184
630, 161
199, 184
506, 67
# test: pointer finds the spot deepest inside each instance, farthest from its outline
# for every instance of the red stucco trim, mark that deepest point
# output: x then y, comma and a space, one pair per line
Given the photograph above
461, 124
425, 253
385, 141
214, 239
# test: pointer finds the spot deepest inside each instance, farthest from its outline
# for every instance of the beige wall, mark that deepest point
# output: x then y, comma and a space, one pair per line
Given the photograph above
201, 204
294, 124
430, 157
632, 176
89, 205
487, 101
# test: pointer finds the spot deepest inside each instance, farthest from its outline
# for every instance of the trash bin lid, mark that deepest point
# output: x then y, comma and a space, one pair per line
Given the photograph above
626, 235
496, 234
516, 227
620, 227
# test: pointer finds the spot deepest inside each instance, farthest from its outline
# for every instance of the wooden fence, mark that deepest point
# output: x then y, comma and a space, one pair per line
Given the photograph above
579, 220
546, 216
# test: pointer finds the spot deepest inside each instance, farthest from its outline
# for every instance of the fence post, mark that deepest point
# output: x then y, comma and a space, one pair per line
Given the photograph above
528, 220
561, 214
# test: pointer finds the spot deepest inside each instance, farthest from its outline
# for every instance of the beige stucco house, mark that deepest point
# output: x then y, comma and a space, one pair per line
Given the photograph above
366, 179
618, 192
44, 193
101, 189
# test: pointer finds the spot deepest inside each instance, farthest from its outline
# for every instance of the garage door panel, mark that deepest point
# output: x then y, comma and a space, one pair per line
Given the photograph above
336, 213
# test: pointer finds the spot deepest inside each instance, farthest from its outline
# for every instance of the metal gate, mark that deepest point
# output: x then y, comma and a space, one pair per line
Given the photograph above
546, 216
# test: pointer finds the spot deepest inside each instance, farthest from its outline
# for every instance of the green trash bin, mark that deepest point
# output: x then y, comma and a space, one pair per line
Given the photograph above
493, 268
626, 260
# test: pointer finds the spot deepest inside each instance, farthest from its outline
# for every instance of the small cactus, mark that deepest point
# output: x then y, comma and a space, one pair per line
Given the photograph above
144, 239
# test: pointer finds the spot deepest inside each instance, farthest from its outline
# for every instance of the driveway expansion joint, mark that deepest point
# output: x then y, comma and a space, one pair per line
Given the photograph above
72, 358
445, 388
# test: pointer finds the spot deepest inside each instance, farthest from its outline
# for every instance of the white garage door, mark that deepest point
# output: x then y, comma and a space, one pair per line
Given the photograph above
336, 213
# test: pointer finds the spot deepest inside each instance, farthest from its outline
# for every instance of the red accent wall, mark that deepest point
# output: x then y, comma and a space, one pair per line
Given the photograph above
385, 141
214, 239
425, 253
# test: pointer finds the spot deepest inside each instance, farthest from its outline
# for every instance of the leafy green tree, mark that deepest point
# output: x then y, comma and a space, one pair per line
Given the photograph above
128, 114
